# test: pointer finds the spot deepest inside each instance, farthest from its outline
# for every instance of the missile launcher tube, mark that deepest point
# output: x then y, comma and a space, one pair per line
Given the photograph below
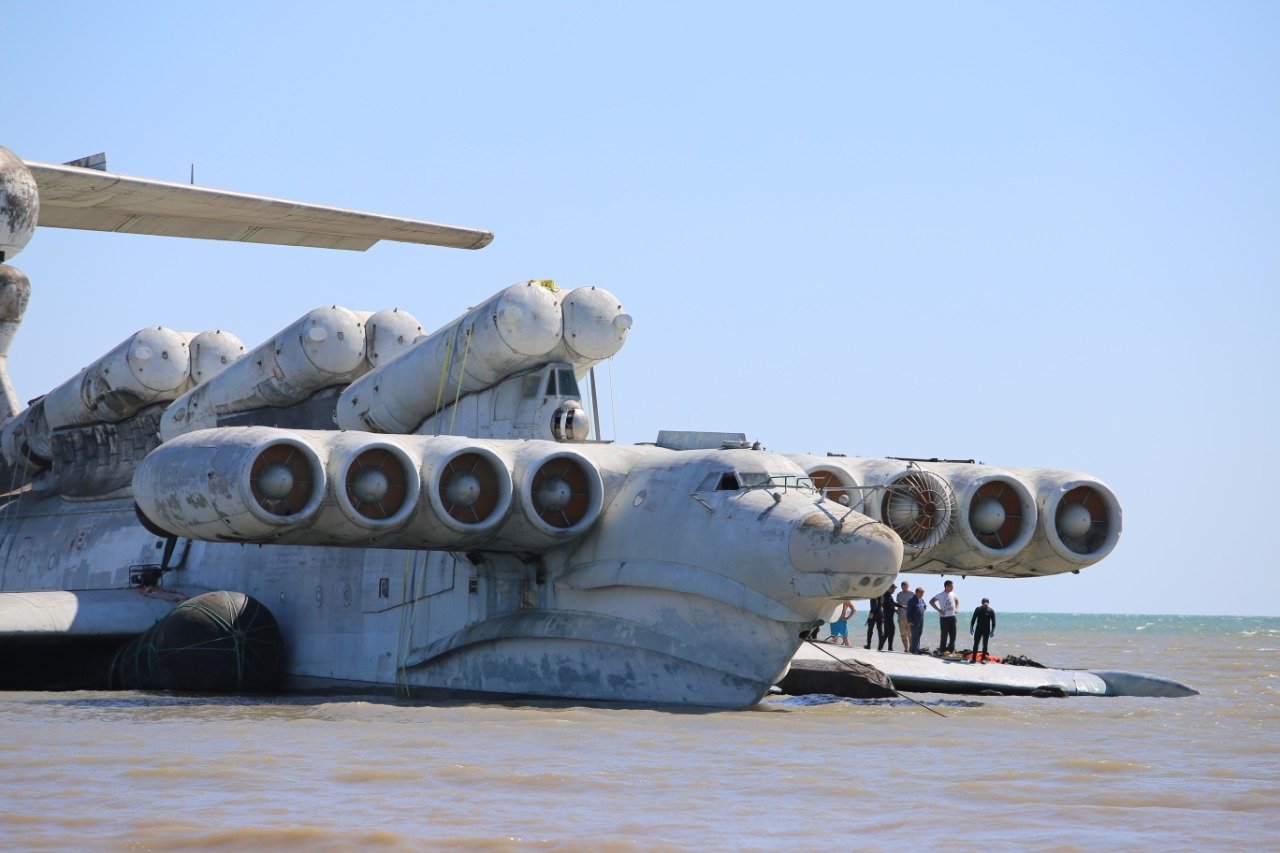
388, 333
512, 330
211, 353
325, 347
149, 367
595, 328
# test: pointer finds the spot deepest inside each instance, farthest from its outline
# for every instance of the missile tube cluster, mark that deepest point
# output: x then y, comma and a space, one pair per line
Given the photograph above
978, 518
267, 485
153, 366
517, 329
325, 347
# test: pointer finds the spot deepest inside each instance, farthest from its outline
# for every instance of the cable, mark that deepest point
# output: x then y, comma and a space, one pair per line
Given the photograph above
895, 690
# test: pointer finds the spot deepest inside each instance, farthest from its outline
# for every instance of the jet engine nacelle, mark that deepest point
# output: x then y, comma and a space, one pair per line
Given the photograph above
250, 484
19, 204
993, 521
917, 504
967, 518
1079, 522
260, 484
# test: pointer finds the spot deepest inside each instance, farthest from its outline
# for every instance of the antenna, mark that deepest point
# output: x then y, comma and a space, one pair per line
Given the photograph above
193, 174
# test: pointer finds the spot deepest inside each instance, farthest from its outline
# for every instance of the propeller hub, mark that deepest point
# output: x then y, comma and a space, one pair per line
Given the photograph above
987, 516
554, 493
902, 511
1074, 520
370, 486
275, 481
463, 489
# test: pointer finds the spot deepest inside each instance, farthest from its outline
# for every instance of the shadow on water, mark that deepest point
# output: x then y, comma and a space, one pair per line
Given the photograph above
133, 700
815, 699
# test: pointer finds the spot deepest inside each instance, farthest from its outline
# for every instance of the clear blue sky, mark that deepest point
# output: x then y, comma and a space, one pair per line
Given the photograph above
1033, 234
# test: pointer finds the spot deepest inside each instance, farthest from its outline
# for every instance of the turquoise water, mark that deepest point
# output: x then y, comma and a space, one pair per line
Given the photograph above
157, 772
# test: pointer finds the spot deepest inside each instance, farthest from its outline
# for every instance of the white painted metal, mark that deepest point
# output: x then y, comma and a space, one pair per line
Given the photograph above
519, 406
211, 353
324, 347
1048, 553
962, 550
85, 613
388, 333
1037, 549
19, 204
72, 197
670, 576
866, 481
151, 366
15, 293
511, 331
202, 485
595, 328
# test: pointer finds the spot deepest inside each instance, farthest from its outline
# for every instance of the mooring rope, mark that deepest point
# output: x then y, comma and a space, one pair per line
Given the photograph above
898, 692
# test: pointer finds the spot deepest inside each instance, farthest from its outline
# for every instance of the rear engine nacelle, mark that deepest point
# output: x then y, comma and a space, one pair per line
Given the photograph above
251, 484
1079, 522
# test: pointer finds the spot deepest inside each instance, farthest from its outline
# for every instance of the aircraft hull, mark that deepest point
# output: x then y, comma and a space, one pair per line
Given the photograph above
418, 621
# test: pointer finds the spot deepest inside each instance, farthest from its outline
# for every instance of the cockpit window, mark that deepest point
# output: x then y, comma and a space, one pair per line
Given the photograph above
568, 384
732, 481
529, 389
551, 383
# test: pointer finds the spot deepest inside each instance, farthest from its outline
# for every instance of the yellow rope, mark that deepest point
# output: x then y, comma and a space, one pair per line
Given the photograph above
462, 372
444, 373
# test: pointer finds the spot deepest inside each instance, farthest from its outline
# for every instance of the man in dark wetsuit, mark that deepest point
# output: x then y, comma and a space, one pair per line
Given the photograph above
982, 626
874, 621
888, 618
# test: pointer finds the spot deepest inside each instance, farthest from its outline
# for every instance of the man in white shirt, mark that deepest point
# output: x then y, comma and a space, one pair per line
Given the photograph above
903, 598
946, 603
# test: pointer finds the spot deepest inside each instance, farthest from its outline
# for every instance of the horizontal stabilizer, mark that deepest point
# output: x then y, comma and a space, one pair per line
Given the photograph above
92, 200
86, 613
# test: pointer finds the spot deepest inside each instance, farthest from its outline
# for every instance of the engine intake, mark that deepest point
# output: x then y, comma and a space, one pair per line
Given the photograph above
918, 507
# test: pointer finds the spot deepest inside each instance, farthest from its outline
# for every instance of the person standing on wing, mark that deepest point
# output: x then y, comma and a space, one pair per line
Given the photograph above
875, 620
888, 615
904, 627
916, 609
840, 627
946, 603
984, 621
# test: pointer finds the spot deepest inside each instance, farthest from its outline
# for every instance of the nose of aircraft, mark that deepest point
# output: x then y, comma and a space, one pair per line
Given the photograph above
850, 552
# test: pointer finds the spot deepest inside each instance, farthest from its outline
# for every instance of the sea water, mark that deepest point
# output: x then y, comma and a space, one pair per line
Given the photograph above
142, 771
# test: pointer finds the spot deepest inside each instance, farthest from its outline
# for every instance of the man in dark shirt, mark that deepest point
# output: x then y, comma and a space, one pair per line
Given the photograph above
982, 626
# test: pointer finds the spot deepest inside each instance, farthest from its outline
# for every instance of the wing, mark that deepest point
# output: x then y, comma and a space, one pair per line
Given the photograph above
86, 613
73, 197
